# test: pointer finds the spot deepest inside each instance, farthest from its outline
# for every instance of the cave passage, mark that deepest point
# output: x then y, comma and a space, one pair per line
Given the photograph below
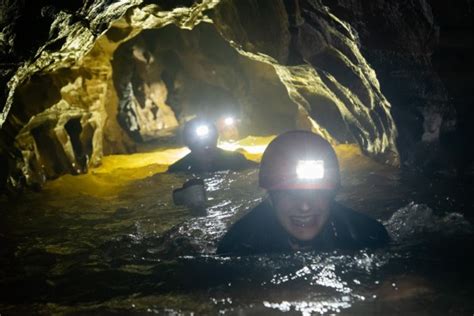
139, 82
94, 99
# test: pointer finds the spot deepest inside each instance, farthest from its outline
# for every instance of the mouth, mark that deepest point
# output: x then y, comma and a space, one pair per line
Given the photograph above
304, 221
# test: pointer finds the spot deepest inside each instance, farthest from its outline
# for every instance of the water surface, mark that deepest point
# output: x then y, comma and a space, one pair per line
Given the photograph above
123, 247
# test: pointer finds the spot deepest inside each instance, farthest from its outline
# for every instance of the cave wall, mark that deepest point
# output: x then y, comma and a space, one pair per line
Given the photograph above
142, 93
59, 107
78, 77
333, 90
453, 61
205, 76
422, 52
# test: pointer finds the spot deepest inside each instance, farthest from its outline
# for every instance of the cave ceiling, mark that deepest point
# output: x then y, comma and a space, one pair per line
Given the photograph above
99, 77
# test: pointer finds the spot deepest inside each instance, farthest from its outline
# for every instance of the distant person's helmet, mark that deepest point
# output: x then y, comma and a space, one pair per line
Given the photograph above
298, 160
200, 133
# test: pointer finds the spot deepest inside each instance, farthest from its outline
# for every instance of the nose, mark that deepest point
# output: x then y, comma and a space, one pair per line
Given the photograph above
304, 206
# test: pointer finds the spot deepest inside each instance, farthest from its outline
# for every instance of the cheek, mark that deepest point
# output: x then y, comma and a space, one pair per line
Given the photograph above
322, 205
283, 212
283, 208
285, 221
324, 215
280, 211
324, 208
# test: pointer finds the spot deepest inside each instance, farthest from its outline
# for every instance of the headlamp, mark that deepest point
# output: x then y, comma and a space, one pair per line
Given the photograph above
229, 121
202, 131
310, 169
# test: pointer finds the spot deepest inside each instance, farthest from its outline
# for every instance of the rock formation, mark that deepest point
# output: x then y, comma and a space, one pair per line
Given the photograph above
84, 79
420, 51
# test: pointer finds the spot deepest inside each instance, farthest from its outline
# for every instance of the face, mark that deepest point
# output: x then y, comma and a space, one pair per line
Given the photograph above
302, 213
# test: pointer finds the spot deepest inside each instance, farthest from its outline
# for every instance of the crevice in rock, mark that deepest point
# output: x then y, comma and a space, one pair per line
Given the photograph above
74, 130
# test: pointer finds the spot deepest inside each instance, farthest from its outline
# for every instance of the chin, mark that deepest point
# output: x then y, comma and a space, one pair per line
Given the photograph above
304, 228
304, 236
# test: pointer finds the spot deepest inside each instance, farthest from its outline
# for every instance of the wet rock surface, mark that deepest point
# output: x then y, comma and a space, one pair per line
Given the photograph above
419, 50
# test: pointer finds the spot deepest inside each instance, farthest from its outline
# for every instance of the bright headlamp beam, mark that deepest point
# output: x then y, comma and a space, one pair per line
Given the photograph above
229, 121
202, 131
310, 169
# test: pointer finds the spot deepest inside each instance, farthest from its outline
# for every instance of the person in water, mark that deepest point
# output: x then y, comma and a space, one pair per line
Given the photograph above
300, 172
200, 137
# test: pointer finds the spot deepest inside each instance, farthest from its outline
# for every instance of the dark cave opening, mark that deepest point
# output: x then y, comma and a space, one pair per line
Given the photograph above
74, 130
50, 163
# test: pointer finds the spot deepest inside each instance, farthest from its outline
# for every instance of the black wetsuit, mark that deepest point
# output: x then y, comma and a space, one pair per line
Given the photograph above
222, 160
260, 232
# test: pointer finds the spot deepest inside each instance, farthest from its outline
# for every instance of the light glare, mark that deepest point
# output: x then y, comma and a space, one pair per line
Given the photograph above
229, 121
310, 169
202, 131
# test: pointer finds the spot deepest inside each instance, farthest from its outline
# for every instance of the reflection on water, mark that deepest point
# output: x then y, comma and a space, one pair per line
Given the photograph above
417, 220
113, 242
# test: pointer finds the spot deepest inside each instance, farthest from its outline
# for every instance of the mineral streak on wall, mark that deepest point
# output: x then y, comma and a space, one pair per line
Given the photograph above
109, 76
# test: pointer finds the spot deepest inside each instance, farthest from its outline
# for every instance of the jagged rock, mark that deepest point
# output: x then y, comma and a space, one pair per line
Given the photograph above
332, 81
142, 94
71, 72
55, 141
399, 39
100, 75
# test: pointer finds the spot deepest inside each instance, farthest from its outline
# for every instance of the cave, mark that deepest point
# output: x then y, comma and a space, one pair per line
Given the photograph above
95, 95
145, 74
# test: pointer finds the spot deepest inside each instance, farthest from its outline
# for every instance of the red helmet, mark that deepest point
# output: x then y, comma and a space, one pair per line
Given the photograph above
299, 160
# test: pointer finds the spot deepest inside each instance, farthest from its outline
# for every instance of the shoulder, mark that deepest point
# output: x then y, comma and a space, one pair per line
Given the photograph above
182, 164
253, 233
361, 230
236, 159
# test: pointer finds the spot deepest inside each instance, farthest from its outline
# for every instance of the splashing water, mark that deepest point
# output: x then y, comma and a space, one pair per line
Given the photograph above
138, 253
417, 219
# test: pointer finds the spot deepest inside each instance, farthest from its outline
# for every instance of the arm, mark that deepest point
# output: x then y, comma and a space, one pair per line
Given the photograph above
243, 163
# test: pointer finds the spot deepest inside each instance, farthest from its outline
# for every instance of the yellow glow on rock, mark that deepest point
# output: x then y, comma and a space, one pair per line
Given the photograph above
115, 173
251, 147
119, 171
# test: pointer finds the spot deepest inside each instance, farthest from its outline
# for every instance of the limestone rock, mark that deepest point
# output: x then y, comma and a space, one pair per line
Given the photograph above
84, 79
331, 80
399, 39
